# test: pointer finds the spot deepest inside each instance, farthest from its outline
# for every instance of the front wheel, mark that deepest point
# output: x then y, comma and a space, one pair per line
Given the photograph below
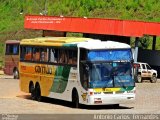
16, 74
75, 100
139, 78
153, 79
116, 106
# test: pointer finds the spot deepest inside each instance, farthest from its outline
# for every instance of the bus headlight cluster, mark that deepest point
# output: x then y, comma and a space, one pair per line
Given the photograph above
133, 91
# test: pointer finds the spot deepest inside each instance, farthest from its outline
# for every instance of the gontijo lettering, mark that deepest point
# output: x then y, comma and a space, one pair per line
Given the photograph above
43, 69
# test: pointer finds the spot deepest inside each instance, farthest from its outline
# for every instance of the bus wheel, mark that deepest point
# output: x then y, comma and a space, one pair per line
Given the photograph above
16, 74
75, 99
116, 106
38, 93
32, 91
139, 78
153, 79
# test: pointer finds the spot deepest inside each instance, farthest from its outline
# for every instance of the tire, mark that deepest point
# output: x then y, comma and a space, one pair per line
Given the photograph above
139, 78
32, 91
75, 99
153, 79
116, 106
38, 93
16, 74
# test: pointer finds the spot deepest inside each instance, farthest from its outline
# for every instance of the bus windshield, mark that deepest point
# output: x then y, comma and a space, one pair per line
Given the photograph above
110, 74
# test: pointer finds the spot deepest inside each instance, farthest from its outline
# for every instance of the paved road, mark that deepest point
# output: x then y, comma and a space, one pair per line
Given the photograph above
13, 101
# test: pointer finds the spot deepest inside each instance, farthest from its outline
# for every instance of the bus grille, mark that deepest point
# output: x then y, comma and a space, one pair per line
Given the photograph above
108, 92
119, 92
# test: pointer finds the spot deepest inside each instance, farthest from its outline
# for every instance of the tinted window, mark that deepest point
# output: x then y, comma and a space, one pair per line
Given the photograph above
44, 52
48, 54
12, 49
36, 54
53, 55
143, 66
148, 67
28, 53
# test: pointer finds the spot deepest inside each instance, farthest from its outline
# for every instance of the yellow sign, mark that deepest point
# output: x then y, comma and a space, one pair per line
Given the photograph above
84, 96
106, 89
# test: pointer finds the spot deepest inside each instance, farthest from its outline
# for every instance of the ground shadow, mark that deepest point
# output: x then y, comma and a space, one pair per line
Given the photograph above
69, 104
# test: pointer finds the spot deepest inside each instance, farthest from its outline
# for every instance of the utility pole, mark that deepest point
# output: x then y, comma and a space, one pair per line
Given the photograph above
136, 49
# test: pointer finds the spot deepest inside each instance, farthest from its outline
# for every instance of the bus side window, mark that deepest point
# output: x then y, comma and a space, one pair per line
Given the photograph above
70, 61
53, 55
63, 56
23, 51
8, 49
72, 57
28, 54
47, 55
44, 55
15, 49
36, 54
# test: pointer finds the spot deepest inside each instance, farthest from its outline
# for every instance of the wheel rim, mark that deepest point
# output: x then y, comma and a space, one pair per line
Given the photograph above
16, 74
139, 79
154, 79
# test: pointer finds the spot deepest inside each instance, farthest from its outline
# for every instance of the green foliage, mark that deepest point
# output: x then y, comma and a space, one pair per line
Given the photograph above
144, 42
11, 21
74, 35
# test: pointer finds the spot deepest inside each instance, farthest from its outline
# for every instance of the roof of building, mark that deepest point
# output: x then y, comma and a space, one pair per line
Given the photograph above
92, 25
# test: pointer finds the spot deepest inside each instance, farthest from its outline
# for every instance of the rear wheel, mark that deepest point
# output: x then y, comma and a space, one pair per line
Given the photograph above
75, 99
116, 106
16, 74
38, 93
139, 78
153, 79
32, 91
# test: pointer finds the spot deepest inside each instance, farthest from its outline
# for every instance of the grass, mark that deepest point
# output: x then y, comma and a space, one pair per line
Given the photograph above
11, 21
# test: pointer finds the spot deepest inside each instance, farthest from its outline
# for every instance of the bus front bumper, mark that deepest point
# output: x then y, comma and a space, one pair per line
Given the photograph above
110, 99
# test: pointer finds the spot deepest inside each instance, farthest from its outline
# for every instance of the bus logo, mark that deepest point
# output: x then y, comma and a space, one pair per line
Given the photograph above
43, 69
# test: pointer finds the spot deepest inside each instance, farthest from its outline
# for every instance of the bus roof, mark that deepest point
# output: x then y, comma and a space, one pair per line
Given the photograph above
104, 45
87, 43
12, 42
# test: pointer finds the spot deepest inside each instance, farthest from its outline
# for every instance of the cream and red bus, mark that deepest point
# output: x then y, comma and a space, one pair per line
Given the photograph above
11, 59
80, 70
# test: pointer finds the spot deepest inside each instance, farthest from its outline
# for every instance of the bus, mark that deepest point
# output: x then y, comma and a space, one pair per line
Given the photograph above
11, 58
79, 70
